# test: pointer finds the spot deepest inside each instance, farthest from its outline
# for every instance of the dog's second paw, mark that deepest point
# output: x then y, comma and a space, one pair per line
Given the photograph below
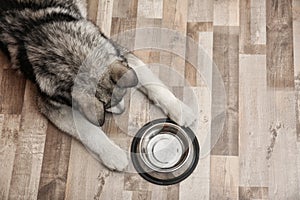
181, 113
115, 159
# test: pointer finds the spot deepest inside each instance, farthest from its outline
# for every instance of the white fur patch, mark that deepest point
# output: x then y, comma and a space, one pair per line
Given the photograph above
117, 109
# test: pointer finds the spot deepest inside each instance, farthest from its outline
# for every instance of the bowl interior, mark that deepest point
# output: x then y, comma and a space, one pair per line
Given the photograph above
164, 147
164, 153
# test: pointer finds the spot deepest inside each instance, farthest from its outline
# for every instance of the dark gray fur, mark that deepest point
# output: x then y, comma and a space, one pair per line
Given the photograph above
49, 41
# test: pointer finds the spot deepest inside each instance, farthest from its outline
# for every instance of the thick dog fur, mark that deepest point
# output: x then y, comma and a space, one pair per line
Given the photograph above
50, 42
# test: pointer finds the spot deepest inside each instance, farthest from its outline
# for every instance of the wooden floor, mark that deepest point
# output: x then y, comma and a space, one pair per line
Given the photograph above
256, 46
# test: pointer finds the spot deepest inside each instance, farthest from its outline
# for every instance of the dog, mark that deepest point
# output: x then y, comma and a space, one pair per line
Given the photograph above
79, 72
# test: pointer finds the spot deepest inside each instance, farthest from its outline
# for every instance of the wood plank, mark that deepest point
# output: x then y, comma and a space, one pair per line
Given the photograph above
245, 26
297, 88
127, 195
298, 164
147, 22
104, 15
141, 195
92, 7
174, 18
193, 29
125, 8
251, 34
296, 37
258, 22
175, 15
283, 176
12, 92
9, 133
280, 69
149, 57
200, 33
150, 9
152, 56
89, 179
55, 164
120, 25
224, 177
226, 13
134, 182
225, 56
113, 187
164, 193
200, 10
254, 109
29, 150
198, 183
246, 193
273, 131
138, 116
86, 176
205, 59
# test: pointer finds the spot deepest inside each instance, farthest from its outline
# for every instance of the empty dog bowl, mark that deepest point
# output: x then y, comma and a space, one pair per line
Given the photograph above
164, 153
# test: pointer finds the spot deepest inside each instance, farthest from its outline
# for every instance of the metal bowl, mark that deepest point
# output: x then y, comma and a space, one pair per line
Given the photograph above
164, 153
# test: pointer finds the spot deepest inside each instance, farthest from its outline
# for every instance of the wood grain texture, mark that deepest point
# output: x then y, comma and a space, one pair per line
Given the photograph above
258, 22
226, 13
12, 92
200, 34
174, 18
205, 59
201, 175
296, 43
92, 9
200, 10
296, 35
120, 25
247, 193
86, 179
150, 9
225, 56
29, 149
254, 136
224, 177
252, 27
283, 131
55, 164
255, 45
280, 64
104, 16
125, 8
9, 133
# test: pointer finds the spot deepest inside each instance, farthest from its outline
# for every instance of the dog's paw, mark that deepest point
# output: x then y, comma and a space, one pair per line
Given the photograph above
115, 159
181, 113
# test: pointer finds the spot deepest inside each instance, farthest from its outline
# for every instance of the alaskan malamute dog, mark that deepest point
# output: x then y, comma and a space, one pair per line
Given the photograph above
50, 41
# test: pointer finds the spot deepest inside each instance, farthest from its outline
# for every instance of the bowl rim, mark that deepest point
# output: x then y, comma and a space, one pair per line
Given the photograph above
146, 175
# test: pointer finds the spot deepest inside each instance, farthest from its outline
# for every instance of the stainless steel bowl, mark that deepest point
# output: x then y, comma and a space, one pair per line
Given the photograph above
164, 153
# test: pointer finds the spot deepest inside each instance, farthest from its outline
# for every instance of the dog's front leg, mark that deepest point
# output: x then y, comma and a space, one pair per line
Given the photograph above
73, 123
160, 94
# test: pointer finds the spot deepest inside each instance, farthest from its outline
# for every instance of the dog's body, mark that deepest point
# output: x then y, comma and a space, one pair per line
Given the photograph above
51, 42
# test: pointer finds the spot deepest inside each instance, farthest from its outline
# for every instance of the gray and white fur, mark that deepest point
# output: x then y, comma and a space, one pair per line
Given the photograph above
51, 42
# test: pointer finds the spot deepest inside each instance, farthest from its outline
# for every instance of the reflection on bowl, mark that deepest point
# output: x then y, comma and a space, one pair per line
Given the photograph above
164, 153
